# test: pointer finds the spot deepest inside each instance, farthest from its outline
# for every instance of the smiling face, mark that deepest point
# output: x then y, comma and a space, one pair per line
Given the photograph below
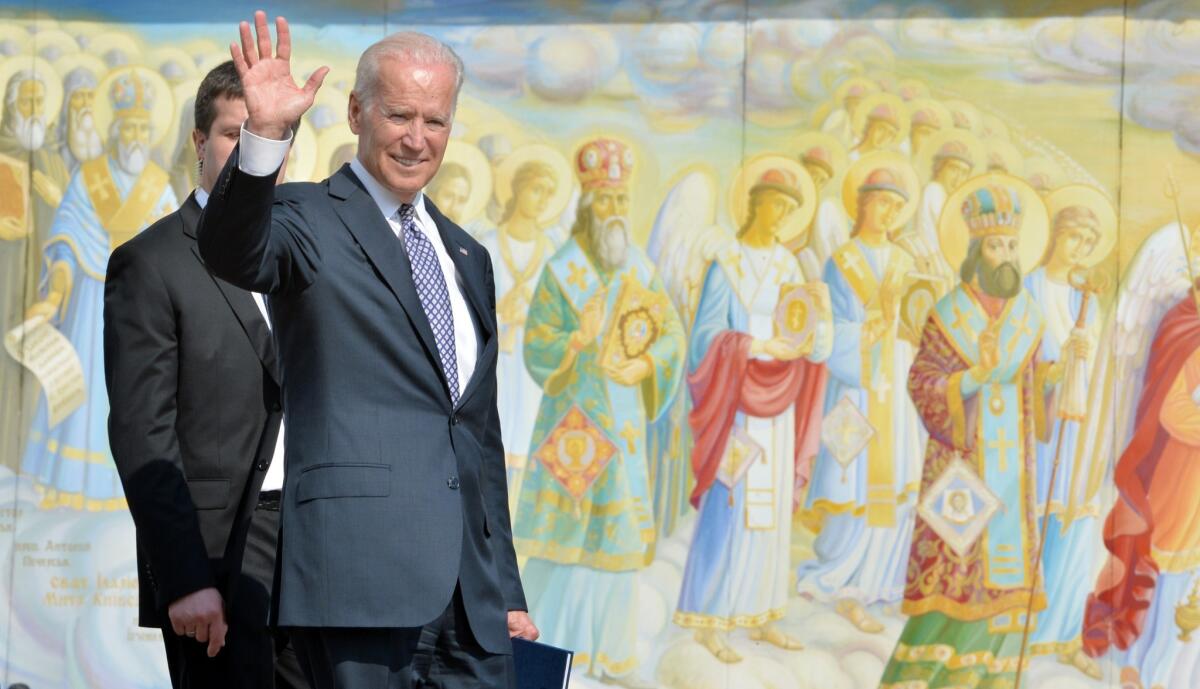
403, 128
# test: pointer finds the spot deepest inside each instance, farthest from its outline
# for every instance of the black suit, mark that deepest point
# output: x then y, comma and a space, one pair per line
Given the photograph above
394, 497
195, 410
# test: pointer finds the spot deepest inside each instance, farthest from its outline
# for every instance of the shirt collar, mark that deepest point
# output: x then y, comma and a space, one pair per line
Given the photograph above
387, 202
201, 197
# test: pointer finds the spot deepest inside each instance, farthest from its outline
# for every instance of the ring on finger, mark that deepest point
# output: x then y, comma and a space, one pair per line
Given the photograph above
191, 632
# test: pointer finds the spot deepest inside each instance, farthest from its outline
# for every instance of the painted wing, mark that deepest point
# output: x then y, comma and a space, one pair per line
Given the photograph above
685, 238
1156, 280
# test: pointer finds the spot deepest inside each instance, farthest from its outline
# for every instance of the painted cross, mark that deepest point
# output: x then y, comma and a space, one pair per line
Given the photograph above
1002, 445
578, 275
630, 435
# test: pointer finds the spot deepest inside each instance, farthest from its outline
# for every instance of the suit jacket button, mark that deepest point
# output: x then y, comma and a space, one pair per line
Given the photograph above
452, 482
276, 406
454, 419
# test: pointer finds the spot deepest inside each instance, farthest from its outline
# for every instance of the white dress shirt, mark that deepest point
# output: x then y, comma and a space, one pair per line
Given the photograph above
274, 478
262, 157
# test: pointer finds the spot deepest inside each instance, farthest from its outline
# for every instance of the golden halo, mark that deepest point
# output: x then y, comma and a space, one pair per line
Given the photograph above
954, 236
184, 96
302, 160
68, 63
479, 173
837, 151
839, 96
945, 121
61, 42
1011, 158
862, 168
18, 36
329, 141
885, 79
161, 115
1050, 171
82, 29
968, 112
540, 152
50, 79
923, 160
209, 61
858, 118
911, 89
202, 47
1094, 200
995, 128
159, 57
330, 109
126, 43
748, 175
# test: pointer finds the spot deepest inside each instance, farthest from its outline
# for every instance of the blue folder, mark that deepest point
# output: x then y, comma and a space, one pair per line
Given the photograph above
540, 666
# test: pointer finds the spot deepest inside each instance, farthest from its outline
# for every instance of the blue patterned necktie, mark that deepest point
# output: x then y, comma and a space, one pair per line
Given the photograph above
431, 289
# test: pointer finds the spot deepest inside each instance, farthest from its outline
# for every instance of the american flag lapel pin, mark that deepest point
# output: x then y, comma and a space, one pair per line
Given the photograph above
463, 251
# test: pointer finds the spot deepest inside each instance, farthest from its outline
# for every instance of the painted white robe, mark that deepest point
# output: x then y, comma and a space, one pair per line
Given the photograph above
738, 565
854, 559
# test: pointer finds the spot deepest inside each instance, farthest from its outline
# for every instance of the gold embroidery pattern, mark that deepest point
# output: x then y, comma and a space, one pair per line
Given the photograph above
692, 620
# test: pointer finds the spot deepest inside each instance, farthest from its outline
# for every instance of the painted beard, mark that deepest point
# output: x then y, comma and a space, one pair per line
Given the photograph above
131, 157
31, 132
83, 140
1003, 281
610, 241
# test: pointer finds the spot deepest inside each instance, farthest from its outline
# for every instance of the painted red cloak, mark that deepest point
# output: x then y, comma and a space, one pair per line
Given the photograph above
1116, 609
728, 381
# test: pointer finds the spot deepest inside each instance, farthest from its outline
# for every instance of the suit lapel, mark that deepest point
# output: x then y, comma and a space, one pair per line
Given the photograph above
362, 218
244, 308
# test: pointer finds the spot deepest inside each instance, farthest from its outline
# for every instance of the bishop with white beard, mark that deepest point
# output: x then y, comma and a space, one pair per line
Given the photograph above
31, 179
108, 201
605, 345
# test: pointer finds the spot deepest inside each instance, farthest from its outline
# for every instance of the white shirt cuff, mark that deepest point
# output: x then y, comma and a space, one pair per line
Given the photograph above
259, 156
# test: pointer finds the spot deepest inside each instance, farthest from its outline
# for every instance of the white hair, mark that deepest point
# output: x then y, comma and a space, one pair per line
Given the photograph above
406, 46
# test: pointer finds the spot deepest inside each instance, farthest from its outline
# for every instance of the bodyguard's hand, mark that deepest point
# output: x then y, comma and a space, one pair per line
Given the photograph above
201, 616
273, 101
520, 626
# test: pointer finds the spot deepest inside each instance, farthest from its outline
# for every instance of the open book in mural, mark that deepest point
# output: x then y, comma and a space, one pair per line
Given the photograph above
842, 345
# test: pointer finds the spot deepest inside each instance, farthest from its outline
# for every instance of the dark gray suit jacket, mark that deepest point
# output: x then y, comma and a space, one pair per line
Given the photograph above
392, 495
194, 410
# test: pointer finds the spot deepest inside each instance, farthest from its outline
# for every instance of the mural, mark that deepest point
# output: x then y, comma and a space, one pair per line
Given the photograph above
843, 345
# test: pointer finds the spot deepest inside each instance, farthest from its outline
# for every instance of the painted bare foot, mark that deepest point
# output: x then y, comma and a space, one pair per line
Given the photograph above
858, 616
1130, 679
716, 645
772, 635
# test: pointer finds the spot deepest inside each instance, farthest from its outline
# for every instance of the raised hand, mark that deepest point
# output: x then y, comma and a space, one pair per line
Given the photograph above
273, 100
